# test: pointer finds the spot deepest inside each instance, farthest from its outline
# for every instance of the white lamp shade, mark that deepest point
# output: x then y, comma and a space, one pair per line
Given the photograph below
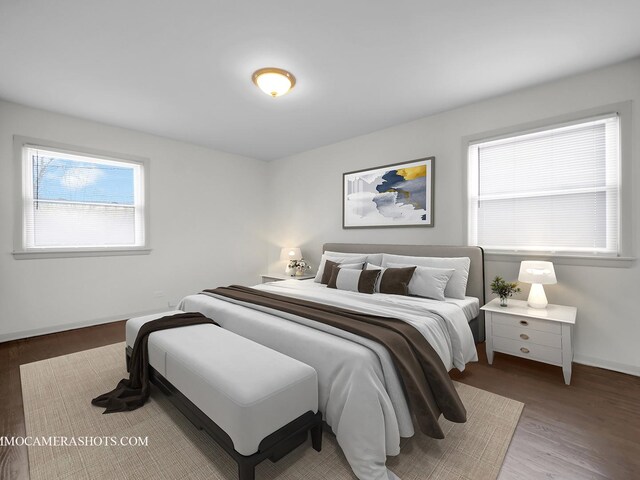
537, 272
290, 253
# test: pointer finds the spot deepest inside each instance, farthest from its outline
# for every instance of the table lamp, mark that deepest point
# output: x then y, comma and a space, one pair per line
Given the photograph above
537, 274
290, 253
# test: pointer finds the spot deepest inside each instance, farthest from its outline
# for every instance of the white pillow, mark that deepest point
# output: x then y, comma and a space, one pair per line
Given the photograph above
457, 286
427, 281
352, 266
346, 260
374, 258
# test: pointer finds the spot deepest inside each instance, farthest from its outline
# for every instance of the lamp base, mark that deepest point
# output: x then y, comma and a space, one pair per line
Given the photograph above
537, 297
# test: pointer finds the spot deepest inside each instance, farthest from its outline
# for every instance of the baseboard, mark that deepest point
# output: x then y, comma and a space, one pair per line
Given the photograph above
607, 364
7, 337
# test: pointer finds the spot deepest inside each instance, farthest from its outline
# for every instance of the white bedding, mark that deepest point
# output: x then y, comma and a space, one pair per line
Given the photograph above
470, 306
449, 335
360, 394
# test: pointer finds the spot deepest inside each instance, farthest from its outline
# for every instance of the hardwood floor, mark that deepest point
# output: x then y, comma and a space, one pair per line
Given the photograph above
589, 430
14, 463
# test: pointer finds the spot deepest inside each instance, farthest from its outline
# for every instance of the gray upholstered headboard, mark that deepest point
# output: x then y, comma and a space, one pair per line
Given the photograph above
475, 284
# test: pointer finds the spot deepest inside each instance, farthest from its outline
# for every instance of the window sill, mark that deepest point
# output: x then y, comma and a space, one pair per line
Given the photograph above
581, 260
79, 252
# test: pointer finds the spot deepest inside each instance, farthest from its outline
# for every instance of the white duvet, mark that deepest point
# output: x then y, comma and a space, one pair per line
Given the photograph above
360, 394
449, 333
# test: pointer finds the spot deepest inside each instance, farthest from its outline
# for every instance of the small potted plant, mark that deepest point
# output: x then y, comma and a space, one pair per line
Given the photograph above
504, 289
298, 267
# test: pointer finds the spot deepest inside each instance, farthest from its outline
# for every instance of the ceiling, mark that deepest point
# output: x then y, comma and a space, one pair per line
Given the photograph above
182, 69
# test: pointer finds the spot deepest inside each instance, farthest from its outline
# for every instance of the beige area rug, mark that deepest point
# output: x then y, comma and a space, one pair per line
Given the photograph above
57, 394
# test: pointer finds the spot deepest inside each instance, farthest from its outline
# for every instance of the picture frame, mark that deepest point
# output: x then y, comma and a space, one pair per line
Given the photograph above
394, 195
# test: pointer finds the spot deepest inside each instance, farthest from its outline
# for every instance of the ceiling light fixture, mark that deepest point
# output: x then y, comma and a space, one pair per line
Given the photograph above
273, 81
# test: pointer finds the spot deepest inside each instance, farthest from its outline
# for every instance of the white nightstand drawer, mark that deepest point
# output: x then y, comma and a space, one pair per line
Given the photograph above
527, 335
541, 353
527, 323
544, 335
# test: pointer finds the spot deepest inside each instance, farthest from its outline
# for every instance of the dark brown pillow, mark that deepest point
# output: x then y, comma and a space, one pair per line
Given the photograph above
328, 270
363, 281
396, 280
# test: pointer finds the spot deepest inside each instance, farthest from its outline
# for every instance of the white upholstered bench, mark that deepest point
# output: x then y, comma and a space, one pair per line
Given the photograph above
255, 402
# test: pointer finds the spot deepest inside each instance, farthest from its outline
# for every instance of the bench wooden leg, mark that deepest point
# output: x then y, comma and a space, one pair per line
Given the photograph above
316, 437
246, 471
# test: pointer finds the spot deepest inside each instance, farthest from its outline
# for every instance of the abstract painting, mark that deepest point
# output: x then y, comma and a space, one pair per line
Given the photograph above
398, 195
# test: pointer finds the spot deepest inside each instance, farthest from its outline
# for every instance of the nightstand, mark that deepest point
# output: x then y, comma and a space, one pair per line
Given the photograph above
277, 277
540, 334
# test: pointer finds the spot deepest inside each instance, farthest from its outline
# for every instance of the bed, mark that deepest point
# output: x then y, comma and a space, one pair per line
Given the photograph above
361, 395
475, 284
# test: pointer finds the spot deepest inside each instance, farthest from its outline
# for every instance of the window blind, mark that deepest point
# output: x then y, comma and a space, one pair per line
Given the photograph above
75, 201
555, 190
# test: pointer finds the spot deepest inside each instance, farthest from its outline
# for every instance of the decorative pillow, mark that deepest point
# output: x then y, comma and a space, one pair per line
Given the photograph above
370, 266
374, 258
328, 269
363, 281
428, 282
396, 283
457, 286
396, 280
347, 260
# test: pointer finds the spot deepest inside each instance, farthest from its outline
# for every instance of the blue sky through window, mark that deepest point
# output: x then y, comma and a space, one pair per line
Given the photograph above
76, 181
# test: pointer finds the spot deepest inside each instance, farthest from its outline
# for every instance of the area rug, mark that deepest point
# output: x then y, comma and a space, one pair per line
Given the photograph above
57, 393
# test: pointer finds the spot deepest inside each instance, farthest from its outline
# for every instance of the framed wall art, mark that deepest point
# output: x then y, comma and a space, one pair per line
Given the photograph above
397, 195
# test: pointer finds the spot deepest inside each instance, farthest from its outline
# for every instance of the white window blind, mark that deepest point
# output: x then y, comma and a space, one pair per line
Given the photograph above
73, 201
555, 190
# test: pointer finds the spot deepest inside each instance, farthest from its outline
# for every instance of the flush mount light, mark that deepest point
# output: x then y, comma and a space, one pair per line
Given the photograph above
273, 81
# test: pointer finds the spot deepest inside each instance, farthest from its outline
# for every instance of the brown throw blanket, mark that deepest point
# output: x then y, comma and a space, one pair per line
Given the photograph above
133, 392
429, 389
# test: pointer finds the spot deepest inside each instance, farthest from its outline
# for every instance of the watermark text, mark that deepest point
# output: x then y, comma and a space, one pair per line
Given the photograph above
82, 441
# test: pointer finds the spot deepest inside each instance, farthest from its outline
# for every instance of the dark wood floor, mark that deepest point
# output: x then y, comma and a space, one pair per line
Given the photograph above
589, 430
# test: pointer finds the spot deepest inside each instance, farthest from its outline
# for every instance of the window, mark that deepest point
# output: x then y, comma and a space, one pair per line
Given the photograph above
75, 202
555, 190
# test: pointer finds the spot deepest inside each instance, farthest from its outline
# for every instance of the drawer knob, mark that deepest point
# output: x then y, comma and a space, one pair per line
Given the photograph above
524, 350
524, 322
524, 336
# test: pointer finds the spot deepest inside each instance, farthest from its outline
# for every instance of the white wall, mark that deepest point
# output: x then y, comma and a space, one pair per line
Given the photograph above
307, 210
209, 216
207, 224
